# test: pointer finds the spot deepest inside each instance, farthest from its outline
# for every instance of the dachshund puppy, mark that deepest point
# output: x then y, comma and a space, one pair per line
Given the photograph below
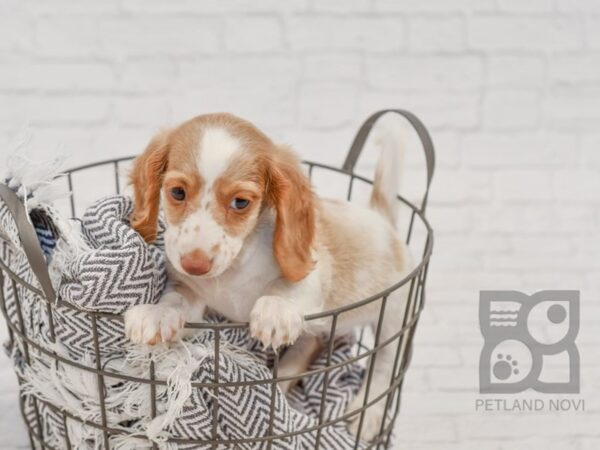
247, 237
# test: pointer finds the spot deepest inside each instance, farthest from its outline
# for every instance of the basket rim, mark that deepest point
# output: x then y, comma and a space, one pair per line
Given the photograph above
327, 313
415, 210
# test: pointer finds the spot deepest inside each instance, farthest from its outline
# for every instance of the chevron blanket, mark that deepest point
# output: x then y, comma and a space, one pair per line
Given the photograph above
100, 264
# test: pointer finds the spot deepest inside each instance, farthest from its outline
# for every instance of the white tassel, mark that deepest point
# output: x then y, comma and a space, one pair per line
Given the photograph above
76, 390
33, 181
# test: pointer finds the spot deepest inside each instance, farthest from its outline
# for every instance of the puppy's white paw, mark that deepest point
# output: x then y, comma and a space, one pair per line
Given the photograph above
275, 321
153, 324
374, 414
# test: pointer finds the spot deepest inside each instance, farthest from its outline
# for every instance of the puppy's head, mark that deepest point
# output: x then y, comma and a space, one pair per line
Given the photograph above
216, 173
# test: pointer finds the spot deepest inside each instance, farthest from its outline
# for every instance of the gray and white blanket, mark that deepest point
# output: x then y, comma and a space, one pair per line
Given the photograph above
100, 264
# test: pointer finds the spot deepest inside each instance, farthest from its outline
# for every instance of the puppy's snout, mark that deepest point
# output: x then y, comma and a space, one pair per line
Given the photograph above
196, 263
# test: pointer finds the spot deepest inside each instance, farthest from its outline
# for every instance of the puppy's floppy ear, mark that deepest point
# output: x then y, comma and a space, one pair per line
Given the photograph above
146, 177
289, 192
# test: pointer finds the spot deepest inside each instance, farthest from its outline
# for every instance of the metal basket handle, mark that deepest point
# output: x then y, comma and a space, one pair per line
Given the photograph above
365, 130
29, 240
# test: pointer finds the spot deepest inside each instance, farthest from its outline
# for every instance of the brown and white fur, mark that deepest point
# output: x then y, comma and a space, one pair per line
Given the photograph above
285, 254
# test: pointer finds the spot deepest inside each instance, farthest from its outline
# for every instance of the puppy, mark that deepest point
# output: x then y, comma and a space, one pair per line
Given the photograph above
247, 236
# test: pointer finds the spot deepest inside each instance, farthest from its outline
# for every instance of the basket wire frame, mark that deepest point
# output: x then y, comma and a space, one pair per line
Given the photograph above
365, 353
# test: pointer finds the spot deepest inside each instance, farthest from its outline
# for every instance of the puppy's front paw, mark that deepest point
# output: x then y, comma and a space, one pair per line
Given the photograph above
153, 324
372, 421
275, 321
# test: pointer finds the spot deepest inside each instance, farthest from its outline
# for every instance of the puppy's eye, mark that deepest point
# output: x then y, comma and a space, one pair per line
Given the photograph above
178, 193
239, 203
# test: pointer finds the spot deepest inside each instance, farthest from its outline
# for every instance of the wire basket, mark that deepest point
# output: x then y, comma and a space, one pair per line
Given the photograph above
368, 343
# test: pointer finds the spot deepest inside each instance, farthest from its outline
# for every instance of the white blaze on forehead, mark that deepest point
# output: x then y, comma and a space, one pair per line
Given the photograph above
200, 230
217, 147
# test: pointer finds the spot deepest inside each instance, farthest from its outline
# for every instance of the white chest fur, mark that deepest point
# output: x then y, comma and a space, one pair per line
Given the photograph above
234, 292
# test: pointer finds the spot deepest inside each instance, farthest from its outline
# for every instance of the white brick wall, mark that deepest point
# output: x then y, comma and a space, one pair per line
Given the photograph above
510, 90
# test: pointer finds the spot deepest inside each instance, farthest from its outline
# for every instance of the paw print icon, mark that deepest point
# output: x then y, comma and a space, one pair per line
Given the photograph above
529, 342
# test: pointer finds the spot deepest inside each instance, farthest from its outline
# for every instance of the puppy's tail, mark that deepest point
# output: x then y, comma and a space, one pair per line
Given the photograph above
391, 141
